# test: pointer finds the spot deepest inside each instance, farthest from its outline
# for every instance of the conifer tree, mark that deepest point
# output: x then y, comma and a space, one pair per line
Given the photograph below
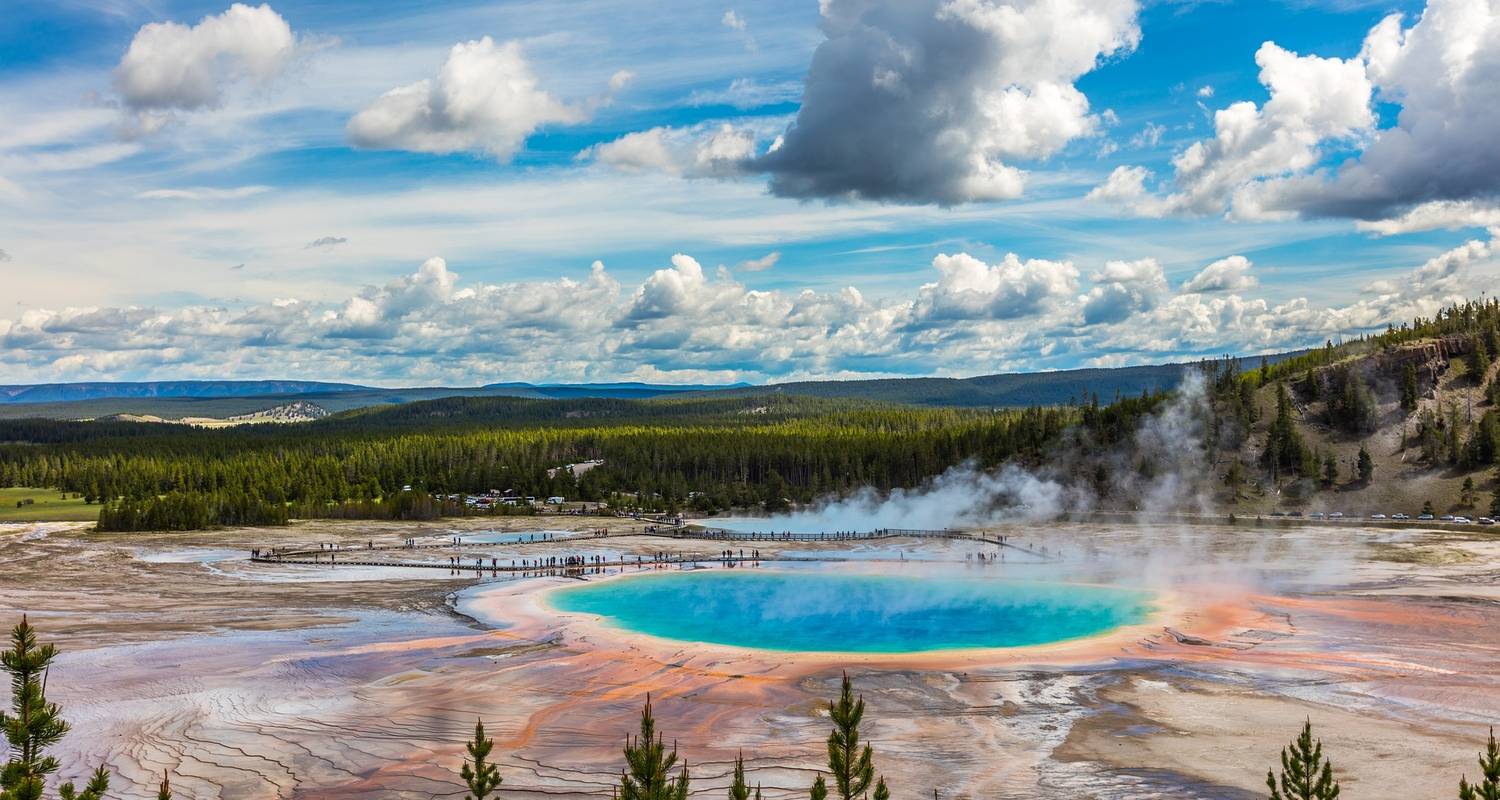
881, 792
1365, 466
164, 792
852, 768
819, 789
1409, 391
32, 724
739, 789
647, 764
481, 777
1489, 767
1301, 776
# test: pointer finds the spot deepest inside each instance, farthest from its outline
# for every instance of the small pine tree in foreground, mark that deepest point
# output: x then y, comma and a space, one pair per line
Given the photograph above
819, 789
648, 764
1489, 767
1301, 776
164, 792
480, 776
853, 769
740, 789
32, 724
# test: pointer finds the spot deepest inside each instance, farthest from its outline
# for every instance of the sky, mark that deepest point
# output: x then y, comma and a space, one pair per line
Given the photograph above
459, 193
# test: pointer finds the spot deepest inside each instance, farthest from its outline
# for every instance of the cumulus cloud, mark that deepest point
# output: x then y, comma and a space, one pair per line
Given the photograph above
1437, 166
171, 66
326, 241
703, 151
935, 101
1312, 100
1230, 274
685, 323
1123, 289
484, 99
733, 21
968, 288
1444, 72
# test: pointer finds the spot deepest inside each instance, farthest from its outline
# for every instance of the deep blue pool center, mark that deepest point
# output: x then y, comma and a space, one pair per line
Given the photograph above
841, 612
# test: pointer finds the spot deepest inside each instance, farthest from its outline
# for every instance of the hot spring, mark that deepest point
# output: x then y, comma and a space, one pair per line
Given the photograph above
821, 612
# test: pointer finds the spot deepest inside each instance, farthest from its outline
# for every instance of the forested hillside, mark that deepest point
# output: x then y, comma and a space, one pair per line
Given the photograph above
706, 453
1403, 421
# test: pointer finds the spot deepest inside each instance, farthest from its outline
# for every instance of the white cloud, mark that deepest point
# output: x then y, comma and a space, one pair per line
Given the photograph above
485, 98
934, 102
968, 288
327, 241
1436, 167
1230, 274
1445, 214
761, 264
1444, 72
1123, 289
683, 323
733, 21
171, 66
1205, 92
203, 193
703, 151
1149, 136
1312, 100
746, 93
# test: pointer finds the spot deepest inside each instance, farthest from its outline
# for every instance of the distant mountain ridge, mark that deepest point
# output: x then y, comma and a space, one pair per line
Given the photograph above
1011, 389
69, 392
173, 400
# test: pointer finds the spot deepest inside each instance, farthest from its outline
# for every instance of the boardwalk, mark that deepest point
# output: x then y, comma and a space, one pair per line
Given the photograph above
361, 556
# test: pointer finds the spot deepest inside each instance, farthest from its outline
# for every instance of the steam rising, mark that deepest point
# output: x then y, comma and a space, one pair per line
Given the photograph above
1162, 469
1165, 468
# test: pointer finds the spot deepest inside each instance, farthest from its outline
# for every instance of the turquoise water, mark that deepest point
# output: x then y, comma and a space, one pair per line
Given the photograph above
816, 611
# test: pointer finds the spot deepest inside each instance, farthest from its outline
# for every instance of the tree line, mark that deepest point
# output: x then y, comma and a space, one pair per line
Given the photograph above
663, 454
650, 771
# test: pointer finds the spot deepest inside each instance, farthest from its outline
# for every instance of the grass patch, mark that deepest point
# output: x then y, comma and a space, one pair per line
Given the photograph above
47, 505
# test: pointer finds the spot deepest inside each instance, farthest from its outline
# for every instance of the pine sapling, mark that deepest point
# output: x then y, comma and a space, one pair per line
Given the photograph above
648, 764
480, 776
1489, 767
739, 789
853, 769
1301, 776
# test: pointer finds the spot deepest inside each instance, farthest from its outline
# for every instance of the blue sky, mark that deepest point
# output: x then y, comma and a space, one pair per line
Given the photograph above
406, 193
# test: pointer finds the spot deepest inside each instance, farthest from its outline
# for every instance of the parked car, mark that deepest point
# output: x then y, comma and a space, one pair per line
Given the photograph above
1426, 517
1278, 513
1463, 520
1400, 516
1377, 516
1294, 513
1335, 515
1446, 518
1316, 515
1486, 521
